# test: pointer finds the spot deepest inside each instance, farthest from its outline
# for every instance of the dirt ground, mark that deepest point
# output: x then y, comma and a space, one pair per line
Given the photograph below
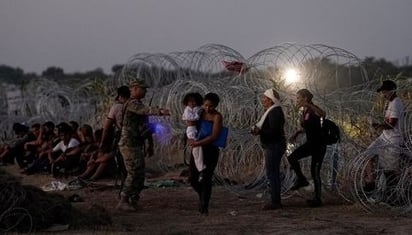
173, 210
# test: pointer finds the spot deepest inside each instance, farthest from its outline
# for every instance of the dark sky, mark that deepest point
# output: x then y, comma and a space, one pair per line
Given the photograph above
81, 35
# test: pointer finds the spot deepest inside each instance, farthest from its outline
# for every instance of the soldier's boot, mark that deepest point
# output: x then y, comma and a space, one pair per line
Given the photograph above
124, 205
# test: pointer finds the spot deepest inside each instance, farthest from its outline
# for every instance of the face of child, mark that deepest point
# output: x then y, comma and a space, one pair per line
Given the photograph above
191, 103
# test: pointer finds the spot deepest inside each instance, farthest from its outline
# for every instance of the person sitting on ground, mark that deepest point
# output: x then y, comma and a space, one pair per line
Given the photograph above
88, 145
75, 129
100, 163
49, 140
32, 148
69, 151
15, 148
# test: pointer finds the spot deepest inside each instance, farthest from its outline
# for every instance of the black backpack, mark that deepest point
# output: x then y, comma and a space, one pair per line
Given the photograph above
330, 132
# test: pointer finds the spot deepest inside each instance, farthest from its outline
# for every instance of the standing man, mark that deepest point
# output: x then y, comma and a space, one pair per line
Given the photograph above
113, 123
270, 128
135, 129
109, 140
388, 145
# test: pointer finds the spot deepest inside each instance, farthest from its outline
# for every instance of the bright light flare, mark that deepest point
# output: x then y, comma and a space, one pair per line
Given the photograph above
292, 76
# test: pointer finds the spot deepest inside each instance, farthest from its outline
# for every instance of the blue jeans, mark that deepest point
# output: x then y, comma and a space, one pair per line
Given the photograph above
273, 157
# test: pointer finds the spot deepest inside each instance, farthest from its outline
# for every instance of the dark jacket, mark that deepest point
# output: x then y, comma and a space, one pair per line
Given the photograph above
272, 130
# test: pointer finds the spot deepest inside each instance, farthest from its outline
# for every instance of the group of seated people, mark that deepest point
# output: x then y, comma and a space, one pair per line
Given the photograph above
61, 150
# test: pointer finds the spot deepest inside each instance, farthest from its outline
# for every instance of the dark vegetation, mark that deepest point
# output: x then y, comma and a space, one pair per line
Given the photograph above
26, 208
374, 68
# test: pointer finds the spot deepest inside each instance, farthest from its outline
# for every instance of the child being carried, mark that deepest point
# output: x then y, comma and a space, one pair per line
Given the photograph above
191, 116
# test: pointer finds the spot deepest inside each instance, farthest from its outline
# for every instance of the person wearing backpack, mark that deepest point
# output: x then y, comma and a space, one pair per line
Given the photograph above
314, 145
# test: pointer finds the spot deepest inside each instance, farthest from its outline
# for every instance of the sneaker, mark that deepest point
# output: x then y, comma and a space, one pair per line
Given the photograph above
314, 202
203, 209
271, 206
373, 199
299, 184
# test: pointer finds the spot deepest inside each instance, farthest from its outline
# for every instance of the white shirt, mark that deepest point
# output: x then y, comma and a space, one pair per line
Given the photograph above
61, 146
191, 114
395, 110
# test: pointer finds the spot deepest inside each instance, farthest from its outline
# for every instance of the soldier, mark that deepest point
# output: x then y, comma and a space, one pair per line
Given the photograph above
135, 130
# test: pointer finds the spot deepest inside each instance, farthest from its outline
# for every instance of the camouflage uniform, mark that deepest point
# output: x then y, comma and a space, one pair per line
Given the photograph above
131, 146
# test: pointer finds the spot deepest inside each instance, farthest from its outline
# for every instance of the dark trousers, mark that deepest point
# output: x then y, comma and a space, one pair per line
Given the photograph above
317, 151
204, 188
273, 157
39, 164
63, 166
18, 153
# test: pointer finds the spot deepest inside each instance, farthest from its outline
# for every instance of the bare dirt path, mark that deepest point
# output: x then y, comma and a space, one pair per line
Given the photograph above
173, 210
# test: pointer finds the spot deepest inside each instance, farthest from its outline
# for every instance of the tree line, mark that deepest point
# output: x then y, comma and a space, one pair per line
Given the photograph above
16, 75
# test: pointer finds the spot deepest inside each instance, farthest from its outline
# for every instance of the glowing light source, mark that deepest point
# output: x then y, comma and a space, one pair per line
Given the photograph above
157, 128
292, 76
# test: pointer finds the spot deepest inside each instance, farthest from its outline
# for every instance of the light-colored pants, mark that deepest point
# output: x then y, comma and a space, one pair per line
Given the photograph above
198, 156
388, 152
191, 133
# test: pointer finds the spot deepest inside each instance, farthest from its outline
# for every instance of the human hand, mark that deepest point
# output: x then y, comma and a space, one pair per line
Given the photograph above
254, 130
192, 143
377, 126
85, 155
91, 162
164, 112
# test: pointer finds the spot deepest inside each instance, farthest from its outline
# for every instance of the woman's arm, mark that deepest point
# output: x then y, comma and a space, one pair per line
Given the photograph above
217, 127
